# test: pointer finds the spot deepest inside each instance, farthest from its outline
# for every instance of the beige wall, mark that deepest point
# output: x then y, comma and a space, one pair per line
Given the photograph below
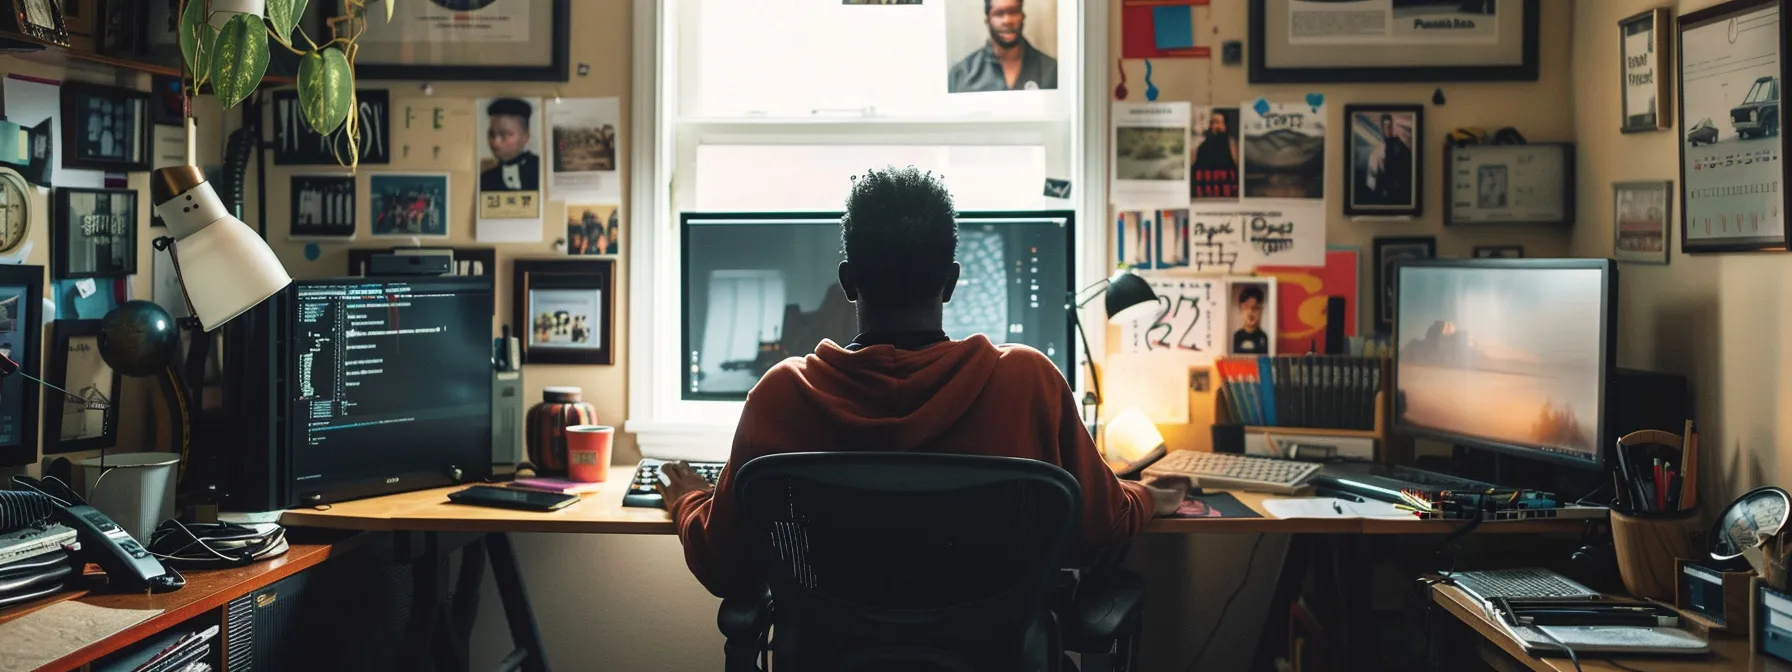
1718, 319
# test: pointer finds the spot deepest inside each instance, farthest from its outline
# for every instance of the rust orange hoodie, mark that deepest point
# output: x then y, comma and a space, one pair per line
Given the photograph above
967, 397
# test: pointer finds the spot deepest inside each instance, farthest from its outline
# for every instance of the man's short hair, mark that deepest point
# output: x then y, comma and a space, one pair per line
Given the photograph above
990, 4
1387, 117
1250, 292
900, 233
515, 107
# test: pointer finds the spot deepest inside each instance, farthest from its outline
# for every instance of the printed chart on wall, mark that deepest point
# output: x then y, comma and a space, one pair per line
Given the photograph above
1731, 166
1150, 158
1394, 22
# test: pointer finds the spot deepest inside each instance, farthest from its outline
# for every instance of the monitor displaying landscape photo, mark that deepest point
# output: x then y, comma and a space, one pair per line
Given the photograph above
1508, 355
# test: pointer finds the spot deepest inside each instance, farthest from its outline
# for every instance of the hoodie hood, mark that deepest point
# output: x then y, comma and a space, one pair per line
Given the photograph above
897, 399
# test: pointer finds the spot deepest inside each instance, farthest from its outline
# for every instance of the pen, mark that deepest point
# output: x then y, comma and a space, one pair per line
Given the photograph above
1337, 494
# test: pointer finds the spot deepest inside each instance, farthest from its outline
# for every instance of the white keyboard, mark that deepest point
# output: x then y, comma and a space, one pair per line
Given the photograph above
1225, 471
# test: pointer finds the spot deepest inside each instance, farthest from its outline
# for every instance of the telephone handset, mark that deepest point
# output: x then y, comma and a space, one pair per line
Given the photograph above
129, 566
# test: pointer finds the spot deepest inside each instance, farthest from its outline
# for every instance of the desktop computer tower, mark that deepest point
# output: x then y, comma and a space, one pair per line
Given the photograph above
358, 604
507, 422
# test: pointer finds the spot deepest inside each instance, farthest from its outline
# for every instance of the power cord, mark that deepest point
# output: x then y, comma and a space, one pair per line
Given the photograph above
1250, 564
1565, 647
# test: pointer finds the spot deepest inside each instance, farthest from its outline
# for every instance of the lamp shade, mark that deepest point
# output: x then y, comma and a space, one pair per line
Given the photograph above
1133, 441
225, 268
1128, 296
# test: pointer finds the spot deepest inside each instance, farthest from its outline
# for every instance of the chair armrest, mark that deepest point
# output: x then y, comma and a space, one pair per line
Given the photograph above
1105, 605
743, 620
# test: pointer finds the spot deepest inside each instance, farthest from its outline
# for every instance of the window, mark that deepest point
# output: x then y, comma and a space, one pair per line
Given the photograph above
773, 105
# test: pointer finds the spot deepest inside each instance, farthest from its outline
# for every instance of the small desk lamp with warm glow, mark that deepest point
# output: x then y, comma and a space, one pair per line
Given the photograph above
1132, 442
1128, 297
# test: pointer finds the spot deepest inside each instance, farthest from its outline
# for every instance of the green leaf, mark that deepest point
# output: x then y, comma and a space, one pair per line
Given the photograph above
326, 89
390, 5
197, 41
284, 14
240, 59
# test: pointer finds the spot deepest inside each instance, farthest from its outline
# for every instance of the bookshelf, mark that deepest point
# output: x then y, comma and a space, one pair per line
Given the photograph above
1389, 449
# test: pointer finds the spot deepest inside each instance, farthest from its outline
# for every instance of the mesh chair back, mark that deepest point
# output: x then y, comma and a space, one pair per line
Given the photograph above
910, 561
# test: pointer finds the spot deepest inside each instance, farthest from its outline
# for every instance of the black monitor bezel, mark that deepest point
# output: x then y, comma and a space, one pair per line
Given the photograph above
684, 289
1608, 316
340, 488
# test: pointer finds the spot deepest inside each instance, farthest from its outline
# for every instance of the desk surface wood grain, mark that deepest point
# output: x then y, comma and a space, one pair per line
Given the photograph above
1727, 655
603, 513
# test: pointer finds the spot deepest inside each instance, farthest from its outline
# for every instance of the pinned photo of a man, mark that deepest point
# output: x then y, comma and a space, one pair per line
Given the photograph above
1010, 54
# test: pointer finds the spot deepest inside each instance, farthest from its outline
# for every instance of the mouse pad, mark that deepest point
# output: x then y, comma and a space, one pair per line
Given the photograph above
1214, 505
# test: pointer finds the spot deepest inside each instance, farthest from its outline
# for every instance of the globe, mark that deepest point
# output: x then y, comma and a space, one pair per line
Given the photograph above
138, 338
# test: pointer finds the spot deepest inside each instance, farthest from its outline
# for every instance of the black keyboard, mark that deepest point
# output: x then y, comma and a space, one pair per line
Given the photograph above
640, 488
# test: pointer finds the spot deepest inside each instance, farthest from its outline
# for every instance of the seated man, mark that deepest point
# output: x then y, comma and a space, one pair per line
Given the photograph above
902, 385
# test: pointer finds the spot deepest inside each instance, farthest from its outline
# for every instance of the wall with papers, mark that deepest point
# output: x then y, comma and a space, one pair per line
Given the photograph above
1289, 221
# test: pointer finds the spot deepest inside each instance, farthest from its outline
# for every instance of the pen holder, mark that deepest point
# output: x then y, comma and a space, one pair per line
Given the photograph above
1648, 545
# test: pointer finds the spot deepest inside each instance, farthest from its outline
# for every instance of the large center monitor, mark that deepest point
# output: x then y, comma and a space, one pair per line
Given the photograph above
1506, 355
760, 287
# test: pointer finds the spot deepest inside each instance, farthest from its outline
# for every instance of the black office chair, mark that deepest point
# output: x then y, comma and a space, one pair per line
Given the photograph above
919, 562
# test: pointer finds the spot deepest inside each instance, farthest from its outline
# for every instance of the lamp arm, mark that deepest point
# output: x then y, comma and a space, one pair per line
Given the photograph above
1080, 302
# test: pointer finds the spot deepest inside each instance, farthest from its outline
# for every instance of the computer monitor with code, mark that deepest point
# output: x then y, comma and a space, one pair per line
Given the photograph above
759, 288
390, 383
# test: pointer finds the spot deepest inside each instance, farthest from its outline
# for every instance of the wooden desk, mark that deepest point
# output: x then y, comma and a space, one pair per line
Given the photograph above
205, 590
603, 513
1727, 655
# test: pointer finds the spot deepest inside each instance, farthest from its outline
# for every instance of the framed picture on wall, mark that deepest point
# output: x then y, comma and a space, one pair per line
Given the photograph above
1732, 183
1499, 252
1642, 211
21, 328
39, 19
88, 418
1509, 184
473, 40
1384, 160
95, 233
1389, 252
105, 127
1250, 315
1295, 41
564, 309
1643, 48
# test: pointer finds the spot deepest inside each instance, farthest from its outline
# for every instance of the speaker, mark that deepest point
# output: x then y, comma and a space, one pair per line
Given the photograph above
507, 422
1334, 326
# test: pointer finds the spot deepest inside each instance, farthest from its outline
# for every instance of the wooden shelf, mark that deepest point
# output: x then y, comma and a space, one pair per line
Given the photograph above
1388, 449
80, 53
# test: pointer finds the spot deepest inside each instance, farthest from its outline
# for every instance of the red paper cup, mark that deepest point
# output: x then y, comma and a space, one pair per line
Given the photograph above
588, 452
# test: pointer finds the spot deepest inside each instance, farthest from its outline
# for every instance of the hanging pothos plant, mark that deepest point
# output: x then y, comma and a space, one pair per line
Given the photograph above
229, 50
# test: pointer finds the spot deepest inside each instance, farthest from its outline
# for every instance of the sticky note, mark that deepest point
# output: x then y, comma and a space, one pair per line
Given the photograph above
1174, 26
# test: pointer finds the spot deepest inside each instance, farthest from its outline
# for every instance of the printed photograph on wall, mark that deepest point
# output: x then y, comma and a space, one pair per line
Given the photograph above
1384, 160
982, 36
1643, 210
86, 418
1251, 316
582, 160
1498, 252
1284, 150
1133, 248
510, 165
104, 127
1732, 182
564, 309
407, 205
21, 327
1172, 238
323, 207
95, 235
1215, 168
1389, 252
1643, 48
592, 230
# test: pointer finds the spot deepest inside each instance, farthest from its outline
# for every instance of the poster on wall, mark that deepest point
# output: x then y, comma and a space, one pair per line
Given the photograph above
982, 36
1284, 149
1732, 178
1187, 325
1302, 295
1238, 240
1214, 172
582, 149
1393, 22
1150, 158
510, 170
1644, 51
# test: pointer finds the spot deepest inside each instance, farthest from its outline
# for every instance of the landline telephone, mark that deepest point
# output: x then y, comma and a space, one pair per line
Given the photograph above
129, 566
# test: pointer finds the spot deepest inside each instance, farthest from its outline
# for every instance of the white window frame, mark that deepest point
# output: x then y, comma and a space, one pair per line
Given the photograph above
664, 424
